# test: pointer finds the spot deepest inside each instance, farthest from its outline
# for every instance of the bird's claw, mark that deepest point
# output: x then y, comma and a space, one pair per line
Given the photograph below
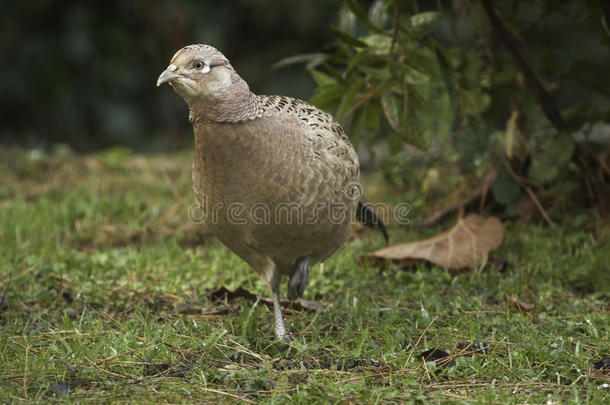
286, 338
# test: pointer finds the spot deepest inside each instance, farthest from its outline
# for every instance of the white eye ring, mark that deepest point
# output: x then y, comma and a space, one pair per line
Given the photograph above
201, 65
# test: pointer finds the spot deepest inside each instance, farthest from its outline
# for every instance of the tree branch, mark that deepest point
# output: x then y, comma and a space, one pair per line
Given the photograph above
544, 98
548, 104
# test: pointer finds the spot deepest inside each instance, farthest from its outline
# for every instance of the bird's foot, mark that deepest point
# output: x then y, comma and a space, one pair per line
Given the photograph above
280, 331
285, 338
281, 334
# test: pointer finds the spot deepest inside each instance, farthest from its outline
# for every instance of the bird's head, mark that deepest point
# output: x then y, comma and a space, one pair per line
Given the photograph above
210, 86
200, 72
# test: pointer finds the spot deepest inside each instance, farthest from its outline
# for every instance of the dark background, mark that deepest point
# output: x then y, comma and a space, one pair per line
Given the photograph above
83, 73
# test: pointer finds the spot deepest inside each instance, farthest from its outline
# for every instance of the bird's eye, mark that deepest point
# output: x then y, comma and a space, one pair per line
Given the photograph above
198, 65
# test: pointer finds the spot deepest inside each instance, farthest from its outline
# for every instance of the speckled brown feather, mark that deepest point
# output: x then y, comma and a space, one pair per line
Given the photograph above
294, 155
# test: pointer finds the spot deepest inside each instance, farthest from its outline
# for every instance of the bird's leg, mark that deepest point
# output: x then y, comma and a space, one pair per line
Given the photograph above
280, 331
299, 278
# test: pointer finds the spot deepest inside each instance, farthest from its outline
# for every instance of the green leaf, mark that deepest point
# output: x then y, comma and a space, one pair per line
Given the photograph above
554, 153
326, 97
322, 79
336, 74
403, 116
404, 21
392, 110
348, 100
414, 108
424, 22
357, 60
367, 117
378, 44
511, 134
347, 38
362, 17
357, 129
423, 61
371, 114
474, 101
418, 101
507, 192
414, 76
379, 74
311, 59
446, 73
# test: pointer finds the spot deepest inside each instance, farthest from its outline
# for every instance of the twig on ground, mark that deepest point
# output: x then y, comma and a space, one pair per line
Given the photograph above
418, 340
539, 206
479, 192
523, 183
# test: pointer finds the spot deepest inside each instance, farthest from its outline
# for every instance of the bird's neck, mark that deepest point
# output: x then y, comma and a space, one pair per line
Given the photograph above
239, 104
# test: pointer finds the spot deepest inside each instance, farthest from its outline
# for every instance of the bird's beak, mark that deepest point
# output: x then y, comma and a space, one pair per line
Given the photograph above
168, 75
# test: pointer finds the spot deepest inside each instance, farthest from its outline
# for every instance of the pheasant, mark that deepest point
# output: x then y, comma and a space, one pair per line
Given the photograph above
277, 179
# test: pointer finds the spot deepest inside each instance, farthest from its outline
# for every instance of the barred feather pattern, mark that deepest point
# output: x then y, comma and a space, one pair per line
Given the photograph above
293, 155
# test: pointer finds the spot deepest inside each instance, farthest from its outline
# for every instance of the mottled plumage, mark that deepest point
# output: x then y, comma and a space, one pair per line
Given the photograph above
278, 180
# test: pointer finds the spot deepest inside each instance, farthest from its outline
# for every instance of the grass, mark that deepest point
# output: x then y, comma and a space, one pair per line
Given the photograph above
103, 288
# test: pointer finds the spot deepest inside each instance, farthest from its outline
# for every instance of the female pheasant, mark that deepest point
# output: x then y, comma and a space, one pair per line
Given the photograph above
277, 179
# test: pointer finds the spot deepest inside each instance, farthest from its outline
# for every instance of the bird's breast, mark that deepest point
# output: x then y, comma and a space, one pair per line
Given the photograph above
267, 179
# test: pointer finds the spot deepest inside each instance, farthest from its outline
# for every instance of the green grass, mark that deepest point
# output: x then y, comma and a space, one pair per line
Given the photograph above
106, 285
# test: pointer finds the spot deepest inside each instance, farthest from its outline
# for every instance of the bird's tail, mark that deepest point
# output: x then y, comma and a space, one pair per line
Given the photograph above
368, 217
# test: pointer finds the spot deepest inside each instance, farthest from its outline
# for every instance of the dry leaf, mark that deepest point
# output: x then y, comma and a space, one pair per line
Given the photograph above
463, 246
518, 304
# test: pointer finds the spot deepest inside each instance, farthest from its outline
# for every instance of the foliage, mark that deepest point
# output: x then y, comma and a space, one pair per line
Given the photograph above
439, 77
103, 299
83, 73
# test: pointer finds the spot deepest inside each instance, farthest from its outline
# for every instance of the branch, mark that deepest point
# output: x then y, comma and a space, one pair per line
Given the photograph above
548, 104
544, 98
480, 192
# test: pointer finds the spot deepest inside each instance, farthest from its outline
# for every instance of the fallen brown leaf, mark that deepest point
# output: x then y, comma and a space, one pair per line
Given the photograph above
520, 305
463, 246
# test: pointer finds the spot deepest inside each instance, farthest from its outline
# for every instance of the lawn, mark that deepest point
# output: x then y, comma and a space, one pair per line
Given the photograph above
104, 296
